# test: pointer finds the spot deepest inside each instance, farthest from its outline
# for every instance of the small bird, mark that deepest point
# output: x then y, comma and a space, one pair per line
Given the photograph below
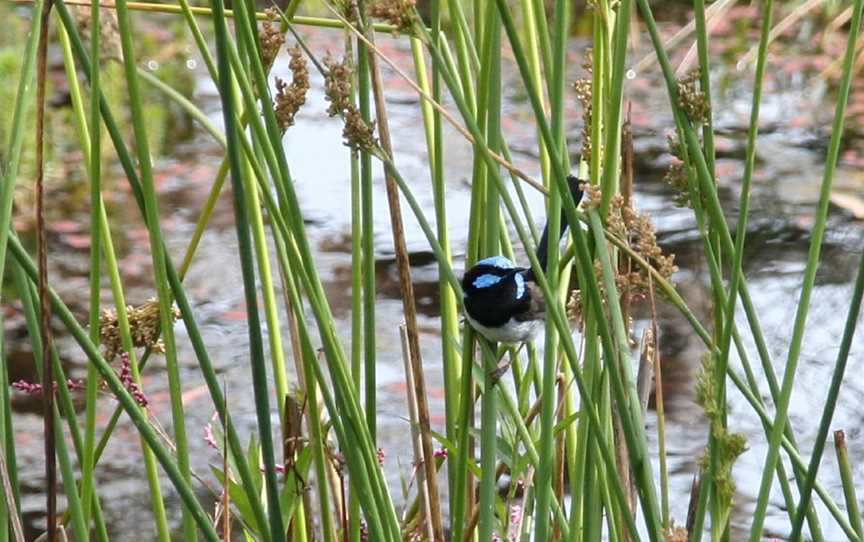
502, 301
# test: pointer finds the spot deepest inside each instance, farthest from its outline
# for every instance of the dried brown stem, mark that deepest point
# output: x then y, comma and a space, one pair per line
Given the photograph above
625, 265
422, 488
44, 299
407, 290
695, 489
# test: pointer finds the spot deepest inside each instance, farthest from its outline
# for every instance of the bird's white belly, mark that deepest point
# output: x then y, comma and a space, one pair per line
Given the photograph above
514, 331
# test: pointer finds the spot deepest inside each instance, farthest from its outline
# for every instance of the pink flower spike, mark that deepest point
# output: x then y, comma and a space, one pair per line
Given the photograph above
515, 513
209, 438
75, 384
31, 388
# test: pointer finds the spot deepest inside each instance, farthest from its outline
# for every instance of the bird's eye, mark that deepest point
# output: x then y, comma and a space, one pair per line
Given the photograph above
487, 280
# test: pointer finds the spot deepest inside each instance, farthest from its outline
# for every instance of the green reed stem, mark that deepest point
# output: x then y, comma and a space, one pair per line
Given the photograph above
489, 110
809, 275
88, 466
356, 294
705, 79
157, 247
157, 502
87, 462
707, 486
751, 393
23, 102
703, 175
612, 120
721, 510
262, 259
8, 175
239, 183
375, 497
29, 301
367, 242
831, 403
547, 462
147, 432
447, 295
213, 384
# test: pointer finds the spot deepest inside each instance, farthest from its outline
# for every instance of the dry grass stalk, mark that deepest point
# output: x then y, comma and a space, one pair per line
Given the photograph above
416, 445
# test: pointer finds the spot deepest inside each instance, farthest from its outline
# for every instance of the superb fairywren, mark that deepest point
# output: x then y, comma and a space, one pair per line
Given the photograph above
502, 301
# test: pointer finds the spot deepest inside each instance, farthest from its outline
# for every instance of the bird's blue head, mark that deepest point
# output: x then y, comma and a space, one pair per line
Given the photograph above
495, 278
495, 291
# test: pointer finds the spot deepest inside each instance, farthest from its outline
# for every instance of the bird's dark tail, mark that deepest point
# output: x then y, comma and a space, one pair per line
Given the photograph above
543, 248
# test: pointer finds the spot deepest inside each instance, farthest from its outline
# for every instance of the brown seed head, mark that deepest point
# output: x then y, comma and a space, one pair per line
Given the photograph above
637, 230
143, 324
676, 174
289, 98
584, 90
692, 99
399, 13
271, 37
337, 85
358, 134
